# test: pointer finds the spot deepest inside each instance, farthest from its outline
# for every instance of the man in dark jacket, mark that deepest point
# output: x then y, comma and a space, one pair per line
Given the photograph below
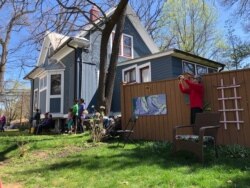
45, 124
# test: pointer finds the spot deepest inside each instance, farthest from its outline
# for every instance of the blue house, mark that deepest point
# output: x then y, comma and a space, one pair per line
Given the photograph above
160, 66
68, 67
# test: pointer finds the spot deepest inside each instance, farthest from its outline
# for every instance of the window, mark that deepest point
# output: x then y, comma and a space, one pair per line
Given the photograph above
130, 76
43, 82
35, 100
126, 46
144, 74
137, 73
55, 88
196, 69
201, 70
188, 67
210, 70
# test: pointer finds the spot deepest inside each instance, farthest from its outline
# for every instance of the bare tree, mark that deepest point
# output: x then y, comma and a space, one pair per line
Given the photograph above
148, 11
106, 26
241, 9
13, 100
237, 50
14, 19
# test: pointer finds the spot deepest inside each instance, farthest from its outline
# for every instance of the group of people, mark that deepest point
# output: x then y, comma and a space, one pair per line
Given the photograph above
76, 116
2, 122
39, 125
192, 85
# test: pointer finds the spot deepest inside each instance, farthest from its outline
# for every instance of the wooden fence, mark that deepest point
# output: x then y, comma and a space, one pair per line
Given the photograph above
227, 92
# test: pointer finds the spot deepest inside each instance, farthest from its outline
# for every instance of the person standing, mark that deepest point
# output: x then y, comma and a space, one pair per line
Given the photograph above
2, 122
192, 85
37, 117
81, 115
75, 109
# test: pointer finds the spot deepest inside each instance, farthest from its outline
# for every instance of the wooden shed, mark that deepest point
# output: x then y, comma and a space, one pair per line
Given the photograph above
227, 92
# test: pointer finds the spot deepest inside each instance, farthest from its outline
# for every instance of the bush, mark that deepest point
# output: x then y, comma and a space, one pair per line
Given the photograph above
235, 151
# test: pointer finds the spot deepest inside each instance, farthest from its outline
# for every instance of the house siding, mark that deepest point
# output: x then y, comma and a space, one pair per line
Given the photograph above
140, 48
55, 105
42, 100
89, 83
91, 60
68, 99
36, 83
161, 68
177, 66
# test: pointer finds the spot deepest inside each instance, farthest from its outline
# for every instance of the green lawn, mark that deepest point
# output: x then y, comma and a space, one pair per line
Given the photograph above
72, 161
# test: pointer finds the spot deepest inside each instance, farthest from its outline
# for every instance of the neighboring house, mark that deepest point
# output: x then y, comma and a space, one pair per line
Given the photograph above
68, 67
160, 66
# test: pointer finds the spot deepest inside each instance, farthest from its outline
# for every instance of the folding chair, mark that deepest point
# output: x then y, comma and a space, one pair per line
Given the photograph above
129, 129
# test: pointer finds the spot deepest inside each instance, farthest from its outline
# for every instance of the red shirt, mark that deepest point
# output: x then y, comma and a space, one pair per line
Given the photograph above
196, 93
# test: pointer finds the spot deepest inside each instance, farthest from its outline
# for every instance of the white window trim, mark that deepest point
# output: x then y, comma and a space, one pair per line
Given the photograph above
129, 68
141, 67
195, 66
132, 46
40, 79
38, 97
121, 45
49, 96
201, 66
137, 71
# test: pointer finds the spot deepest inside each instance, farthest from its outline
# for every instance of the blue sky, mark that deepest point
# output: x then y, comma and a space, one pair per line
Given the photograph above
13, 72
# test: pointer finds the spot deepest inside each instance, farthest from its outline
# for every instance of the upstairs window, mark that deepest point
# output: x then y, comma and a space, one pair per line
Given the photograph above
126, 45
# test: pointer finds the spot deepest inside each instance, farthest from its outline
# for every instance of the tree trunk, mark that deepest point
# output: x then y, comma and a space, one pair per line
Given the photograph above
113, 62
102, 99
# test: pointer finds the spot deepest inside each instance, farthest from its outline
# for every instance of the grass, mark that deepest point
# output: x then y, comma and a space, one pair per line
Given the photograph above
73, 161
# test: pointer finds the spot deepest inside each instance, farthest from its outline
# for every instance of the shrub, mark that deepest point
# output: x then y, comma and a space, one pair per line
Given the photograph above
235, 151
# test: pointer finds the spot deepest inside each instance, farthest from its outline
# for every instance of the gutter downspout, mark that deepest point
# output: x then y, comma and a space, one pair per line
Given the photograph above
75, 70
222, 68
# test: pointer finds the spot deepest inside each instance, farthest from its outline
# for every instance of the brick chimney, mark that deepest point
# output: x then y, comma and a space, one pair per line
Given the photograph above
94, 13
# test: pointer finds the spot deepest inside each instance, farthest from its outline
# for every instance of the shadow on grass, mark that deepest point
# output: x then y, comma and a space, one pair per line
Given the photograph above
6, 151
116, 159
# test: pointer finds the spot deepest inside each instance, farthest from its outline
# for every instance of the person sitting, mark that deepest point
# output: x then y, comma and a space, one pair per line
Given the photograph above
45, 124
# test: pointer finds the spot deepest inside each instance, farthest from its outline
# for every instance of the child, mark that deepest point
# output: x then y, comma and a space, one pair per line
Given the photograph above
70, 121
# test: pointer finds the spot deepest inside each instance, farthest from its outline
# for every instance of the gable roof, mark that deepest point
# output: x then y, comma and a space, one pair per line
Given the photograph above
135, 22
53, 40
58, 43
175, 53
